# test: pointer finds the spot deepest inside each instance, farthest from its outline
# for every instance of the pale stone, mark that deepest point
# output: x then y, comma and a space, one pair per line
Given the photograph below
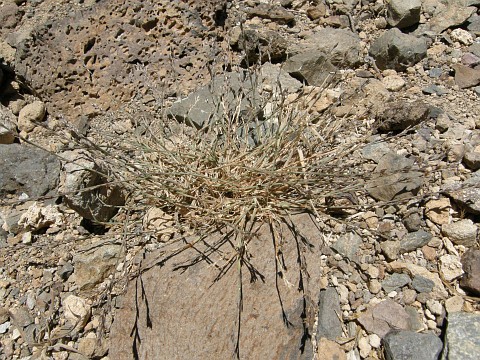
462, 36
450, 267
30, 114
438, 211
76, 311
393, 82
454, 304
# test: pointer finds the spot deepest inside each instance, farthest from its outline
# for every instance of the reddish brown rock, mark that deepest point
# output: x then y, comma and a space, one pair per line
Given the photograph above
466, 77
187, 314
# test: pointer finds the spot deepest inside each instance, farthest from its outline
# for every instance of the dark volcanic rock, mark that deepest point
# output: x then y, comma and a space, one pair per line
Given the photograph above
27, 169
329, 324
188, 315
400, 345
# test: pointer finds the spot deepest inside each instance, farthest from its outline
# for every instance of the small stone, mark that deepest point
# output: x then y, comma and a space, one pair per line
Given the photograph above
462, 36
412, 345
412, 221
76, 311
393, 82
348, 245
4, 327
438, 211
383, 317
454, 304
409, 296
435, 73
429, 253
30, 114
434, 89
374, 286
471, 265
414, 240
374, 341
395, 281
450, 267
328, 349
329, 325
421, 284
373, 271
472, 160
463, 232
466, 77
364, 347
403, 13
435, 307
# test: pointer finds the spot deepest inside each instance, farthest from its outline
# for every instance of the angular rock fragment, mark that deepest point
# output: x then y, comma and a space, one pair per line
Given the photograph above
412, 345
275, 13
400, 115
466, 77
94, 263
463, 232
384, 317
403, 13
329, 323
85, 187
395, 50
466, 194
8, 129
471, 265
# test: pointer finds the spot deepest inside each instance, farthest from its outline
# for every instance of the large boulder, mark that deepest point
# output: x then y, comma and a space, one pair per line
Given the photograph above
192, 313
395, 50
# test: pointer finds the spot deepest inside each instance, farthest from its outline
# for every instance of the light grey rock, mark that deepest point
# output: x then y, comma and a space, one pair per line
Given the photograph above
447, 14
390, 249
395, 281
422, 284
348, 245
475, 49
312, 67
471, 265
395, 176
395, 50
403, 13
402, 345
463, 232
461, 337
329, 324
205, 105
279, 80
80, 184
8, 129
27, 169
374, 151
414, 240
434, 89
94, 263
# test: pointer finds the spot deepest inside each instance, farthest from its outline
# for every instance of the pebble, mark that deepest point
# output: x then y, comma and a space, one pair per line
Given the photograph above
393, 82
364, 347
462, 36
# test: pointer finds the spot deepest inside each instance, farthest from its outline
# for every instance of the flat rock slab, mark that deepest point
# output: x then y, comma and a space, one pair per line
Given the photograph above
169, 314
27, 169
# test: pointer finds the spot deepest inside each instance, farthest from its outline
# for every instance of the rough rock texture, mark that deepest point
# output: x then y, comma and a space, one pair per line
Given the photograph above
395, 50
94, 263
466, 194
401, 345
80, 184
471, 265
399, 115
27, 169
401, 13
395, 176
205, 309
31, 114
7, 126
461, 338
463, 232
105, 55
329, 324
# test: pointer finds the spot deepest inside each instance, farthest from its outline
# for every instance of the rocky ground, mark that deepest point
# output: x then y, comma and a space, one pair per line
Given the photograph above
388, 268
